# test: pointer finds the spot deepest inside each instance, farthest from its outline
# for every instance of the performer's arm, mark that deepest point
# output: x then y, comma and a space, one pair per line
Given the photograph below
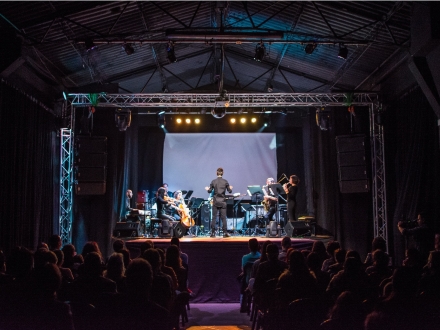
228, 187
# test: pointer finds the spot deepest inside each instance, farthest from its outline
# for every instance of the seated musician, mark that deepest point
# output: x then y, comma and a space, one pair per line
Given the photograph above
161, 202
178, 200
128, 208
270, 200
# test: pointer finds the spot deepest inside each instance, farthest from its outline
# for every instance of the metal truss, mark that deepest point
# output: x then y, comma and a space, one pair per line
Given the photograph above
216, 100
66, 186
378, 176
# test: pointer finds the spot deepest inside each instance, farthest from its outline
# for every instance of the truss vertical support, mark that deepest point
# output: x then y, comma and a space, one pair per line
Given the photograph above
66, 176
378, 175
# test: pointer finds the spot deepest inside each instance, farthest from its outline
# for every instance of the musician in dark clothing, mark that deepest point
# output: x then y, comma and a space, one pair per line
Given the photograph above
161, 203
270, 200
291, 190
219, 186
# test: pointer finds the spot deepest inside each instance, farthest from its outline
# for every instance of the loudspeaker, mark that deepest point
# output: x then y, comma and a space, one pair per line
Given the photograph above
91, 144
358, 186
205, 215
179, 230
166, 228
91, 174
126, 229
90, 188
91, 160
297, 228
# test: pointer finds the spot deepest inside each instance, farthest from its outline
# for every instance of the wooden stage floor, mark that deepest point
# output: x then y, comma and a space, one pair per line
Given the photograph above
215, 263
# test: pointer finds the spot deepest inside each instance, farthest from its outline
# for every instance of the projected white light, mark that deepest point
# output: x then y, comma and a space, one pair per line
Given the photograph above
188, 121
179, 120
197, 121
243, 120
232, 120
254, 120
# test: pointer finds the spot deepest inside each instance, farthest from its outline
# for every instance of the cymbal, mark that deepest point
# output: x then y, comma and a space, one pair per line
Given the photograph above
184, 192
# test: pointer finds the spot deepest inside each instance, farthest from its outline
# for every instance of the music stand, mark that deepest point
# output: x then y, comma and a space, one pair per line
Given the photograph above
246, 207
188, 195
257, 196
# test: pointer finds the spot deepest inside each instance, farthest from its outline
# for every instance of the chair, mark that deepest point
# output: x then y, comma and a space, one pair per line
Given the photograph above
246, 295
263, 300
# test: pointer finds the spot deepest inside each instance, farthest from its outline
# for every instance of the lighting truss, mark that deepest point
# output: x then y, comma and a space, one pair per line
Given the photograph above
235, 100
66, 169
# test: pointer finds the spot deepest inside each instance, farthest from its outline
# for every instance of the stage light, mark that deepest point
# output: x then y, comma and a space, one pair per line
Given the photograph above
253, 120
242, 120
260, 49
310, 48
218, 112
343, 52
161, 121
197, 121
128, 48
161, 113
232, 120
266, 121
179, 120
270, 88
89, 44
170, 52
123, 119
323, 119
188, 121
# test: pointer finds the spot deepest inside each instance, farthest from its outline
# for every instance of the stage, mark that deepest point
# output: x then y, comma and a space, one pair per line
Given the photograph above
215, 263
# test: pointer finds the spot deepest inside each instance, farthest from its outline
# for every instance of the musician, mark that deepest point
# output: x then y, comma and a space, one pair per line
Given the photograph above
161, 202
291, 190
178, 200
270, 200
167, 193
219, 186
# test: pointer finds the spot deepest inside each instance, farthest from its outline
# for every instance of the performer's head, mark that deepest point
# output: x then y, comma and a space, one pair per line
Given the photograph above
129, 193
269, 181
177, 194
294, 179
165, 185
219, 171
161, 192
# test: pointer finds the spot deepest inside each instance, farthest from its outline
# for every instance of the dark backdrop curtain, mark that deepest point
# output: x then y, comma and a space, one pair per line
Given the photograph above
412, 165
28, 152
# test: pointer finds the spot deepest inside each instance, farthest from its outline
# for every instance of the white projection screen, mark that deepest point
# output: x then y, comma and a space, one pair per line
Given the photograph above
190, 160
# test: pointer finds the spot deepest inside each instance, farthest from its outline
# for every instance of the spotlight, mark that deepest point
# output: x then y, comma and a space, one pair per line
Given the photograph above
232, 120
197, 121
170, 52
243, 120
161, 121
179, 120
123, 119
64, 95
310, 48
266, 121
128, 48
218, 112
343, 52
188, 121
253, 120
260, 49
89, 44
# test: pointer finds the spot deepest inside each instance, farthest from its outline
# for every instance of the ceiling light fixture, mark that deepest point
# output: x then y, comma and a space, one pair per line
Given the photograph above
170, 52
260, 50
343, 52
310, 48
128, 48
89, 44
123, 119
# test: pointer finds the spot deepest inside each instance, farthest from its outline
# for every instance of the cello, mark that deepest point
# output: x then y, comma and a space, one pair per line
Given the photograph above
185, 218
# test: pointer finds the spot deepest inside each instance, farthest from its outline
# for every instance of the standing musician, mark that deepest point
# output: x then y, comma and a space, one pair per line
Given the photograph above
291, 190
270, 200
162, 201
219, 186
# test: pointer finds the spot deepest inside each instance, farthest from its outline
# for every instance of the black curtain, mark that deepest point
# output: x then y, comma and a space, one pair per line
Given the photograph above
412, 166
29, 153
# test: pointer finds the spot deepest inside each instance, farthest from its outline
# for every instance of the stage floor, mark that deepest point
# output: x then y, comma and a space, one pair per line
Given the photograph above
215, 263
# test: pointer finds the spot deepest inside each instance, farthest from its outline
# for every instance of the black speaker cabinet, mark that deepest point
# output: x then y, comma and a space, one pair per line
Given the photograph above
126, 229
91, 160
356, 186
205, 215
91, 144
297, 228
272, 229
179, 230
90, 188
90, 174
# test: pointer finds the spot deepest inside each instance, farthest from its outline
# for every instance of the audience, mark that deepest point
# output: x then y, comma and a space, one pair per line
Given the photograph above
332, 246
286, 243
115, 270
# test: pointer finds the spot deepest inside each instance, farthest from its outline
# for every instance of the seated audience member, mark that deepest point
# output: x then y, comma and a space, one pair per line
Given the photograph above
162, 292
116, 312
71, 259
167, 270
145, 245
332, 246
318, 247
297, 281
115, 270
175, 241
378, 243
413, 259
322, 278
268, 270
351, 278
173, 260
66, 273
339, 264
286, 243
346, 314
90, 284
254, 253
54, 242
255, 265
430, 281
380, 269
119, 247
42, 256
